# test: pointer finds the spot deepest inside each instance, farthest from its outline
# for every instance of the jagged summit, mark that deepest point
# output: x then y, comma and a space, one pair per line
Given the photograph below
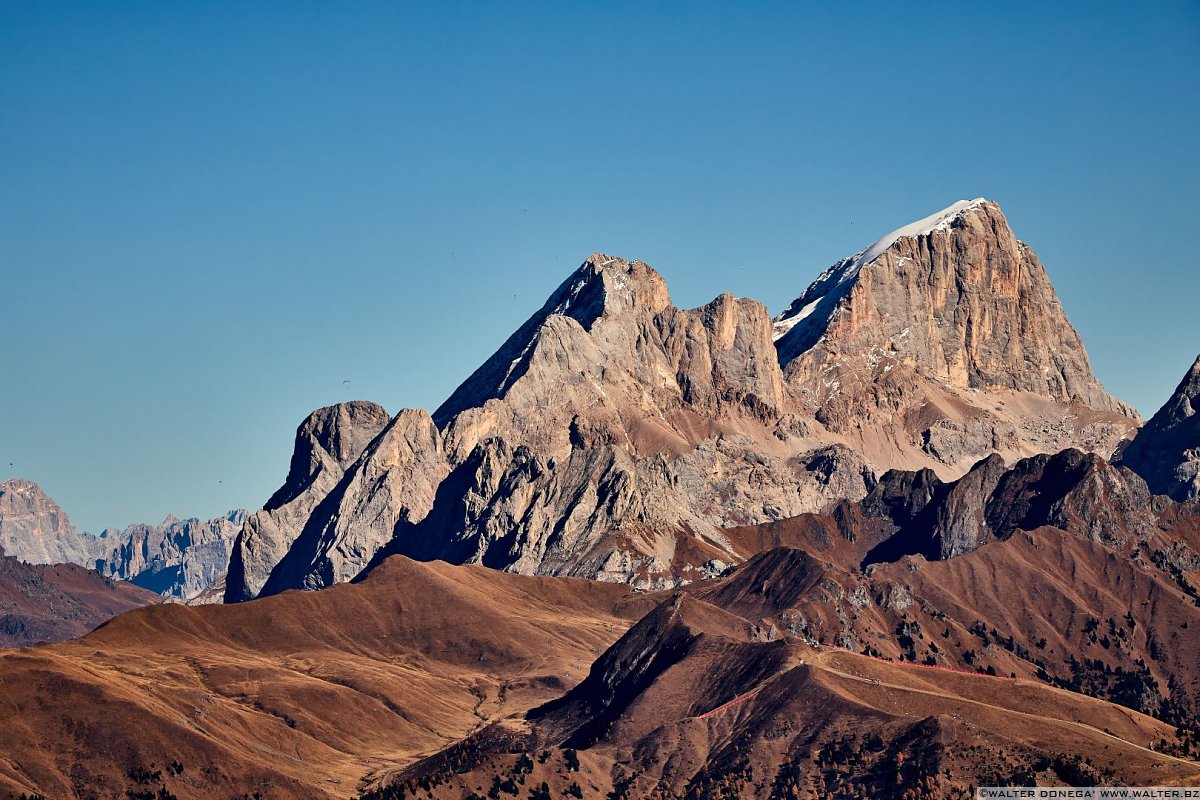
602, 285
957, 298
828, 282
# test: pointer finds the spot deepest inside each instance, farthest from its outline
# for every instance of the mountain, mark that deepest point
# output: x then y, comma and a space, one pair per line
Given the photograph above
328, 442
55, 602
1166, 451
946, 334
616, 436
34, 529
177, 559
1077, 492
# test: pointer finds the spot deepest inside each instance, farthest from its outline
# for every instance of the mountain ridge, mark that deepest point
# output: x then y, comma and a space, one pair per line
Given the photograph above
178, 558
616, 436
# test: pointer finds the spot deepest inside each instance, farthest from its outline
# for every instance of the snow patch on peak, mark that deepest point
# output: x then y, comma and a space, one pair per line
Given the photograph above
602, 260
939, 221
833, 283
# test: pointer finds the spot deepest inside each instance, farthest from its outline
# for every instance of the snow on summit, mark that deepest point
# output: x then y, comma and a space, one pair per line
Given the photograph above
934, 222
830, 284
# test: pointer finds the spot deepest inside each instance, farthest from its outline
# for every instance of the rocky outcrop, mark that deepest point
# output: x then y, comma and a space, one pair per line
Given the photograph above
1166, 452
391, 483
946, 336
1077, 492
328, 442
35, 530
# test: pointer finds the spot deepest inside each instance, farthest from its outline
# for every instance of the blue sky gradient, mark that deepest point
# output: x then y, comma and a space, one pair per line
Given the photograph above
211, 215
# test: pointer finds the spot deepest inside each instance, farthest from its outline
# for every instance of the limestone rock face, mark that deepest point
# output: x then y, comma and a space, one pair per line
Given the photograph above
35, 530
328, 442
608, 356
961, 521
179, 558
948, 333
391, 483
1166, 452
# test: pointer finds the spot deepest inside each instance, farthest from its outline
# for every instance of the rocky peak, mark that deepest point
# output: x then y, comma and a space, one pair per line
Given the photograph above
329, 439
24, 494
34, 529
603, 286
608, 359
391, 483
606, 285
1077, 492
1166, 452
803, 323
946, 337
955, 293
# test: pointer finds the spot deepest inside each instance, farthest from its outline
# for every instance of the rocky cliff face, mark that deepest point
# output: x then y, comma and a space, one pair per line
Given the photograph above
1166, 452
179, 558
617, 436
390, 484
35, 530
328, 442
945, 338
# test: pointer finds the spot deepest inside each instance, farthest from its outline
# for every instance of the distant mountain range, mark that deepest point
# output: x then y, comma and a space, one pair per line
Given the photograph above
896, 542
177, 559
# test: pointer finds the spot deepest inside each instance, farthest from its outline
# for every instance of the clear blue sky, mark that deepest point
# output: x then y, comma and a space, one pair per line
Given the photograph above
211, 215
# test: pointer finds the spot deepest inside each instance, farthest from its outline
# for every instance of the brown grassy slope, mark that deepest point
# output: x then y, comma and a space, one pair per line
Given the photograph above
826, 722
56, 602
299, 695
426, 671
1119, 621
